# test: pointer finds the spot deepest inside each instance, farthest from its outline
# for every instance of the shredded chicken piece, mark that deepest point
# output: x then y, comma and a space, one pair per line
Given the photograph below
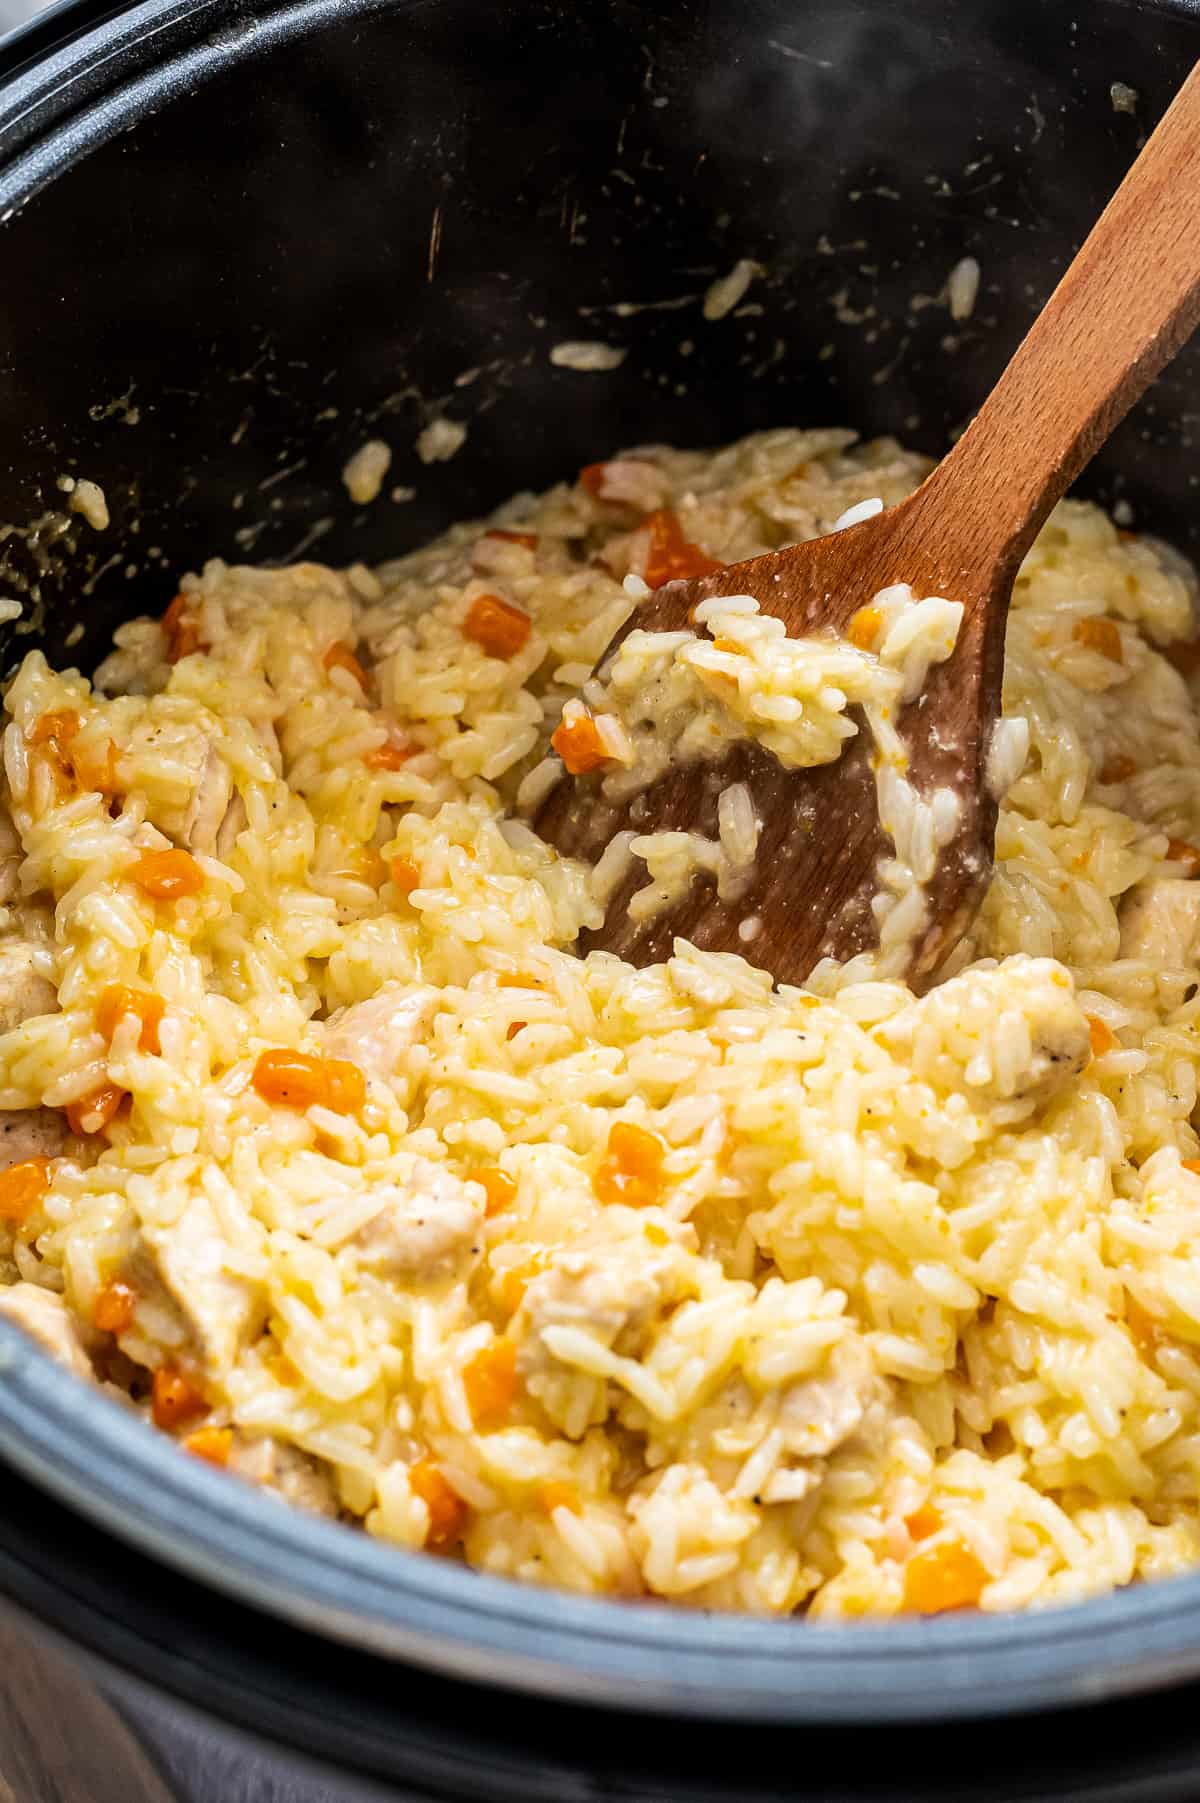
31, 1133
1160, 923
954, 1031
234, 822
11, 855
633, 482
377, 1034
614, 1291
24, 991
295, 1477
422, 1226
209, 805
44, 1316
221, 1310
820, 1414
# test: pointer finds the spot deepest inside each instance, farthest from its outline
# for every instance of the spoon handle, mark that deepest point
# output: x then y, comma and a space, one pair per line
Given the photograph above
1128, 301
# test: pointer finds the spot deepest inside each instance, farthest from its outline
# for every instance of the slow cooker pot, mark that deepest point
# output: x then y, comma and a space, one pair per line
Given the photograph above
238, 240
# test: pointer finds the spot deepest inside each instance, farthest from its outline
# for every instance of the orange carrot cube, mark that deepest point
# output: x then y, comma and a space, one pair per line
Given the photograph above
496, 626
22, 1187
118, 1000
167, 875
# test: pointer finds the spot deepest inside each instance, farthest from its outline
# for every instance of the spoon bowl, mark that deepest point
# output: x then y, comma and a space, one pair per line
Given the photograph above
1127, 303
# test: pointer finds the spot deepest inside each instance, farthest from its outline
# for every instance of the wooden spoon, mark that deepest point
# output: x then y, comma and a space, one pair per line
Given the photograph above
1125, 306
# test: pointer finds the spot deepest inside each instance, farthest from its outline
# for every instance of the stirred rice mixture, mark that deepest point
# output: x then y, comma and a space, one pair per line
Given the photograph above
329, 1155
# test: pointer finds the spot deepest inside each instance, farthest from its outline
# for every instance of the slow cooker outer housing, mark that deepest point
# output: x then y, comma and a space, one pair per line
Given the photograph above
239, 240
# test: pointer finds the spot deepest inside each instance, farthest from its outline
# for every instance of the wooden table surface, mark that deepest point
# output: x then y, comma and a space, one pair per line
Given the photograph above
61, 1741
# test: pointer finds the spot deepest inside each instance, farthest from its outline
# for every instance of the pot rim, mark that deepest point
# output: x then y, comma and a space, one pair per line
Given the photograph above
106, 1464
72, 79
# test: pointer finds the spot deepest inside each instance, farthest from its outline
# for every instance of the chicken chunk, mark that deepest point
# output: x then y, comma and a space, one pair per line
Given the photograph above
631, 482
31, 1133
292, 1475
24, 989
45, 1317
613, 1291
222, 1310
209, 806
847, 1401
820, 1414
1160, 923
11, 855
1009, 1037
422, 1225
377, 1034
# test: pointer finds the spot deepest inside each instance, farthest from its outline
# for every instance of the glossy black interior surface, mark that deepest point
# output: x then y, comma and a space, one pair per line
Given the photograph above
237, 240
341, 221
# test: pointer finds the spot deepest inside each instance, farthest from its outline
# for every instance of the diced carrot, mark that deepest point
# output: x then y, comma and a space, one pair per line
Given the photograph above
631, 1171
405, 875
22, 1187
579, 745
58, 727
183, 635
923, 1522
92, 766
174, 1399
345, 1086
96, 767
1144, 1330
114, 1307
1117, 769
516, 1281
282, 1369
185, 641
1126, 537
447, 1510
1180, 851
1099, 634
496, 626
118, 1000
55, 732
93, 1112
490, 1381
669, 555
658, 1236
515, 1027
592, 478
389, 757
864, 626
528, 539
557, 1495
290, 1079
730, 645
212, 1444
395, 751
515, 979
340, 656
369, 866
174, 613
1102, 1037
499, 1188
167, 875
944, 1576
1191, 1164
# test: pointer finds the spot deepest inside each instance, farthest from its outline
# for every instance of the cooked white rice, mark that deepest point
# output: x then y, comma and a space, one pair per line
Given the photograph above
899, 1308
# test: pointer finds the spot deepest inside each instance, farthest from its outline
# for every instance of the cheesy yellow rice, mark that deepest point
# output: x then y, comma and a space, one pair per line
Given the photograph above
326, 1153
